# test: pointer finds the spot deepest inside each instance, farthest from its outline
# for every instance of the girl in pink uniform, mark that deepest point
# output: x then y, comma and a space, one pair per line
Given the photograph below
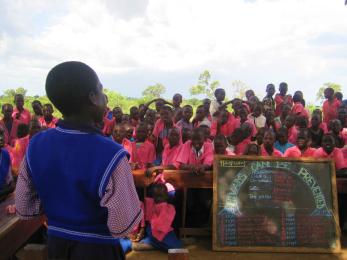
267, 148
302, 148
171, 149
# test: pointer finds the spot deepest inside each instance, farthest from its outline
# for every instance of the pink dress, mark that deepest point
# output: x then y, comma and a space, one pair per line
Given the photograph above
336, 155
51, 124
330, 110
10, 137
142, 153
295, 152
18, 151
279, 100
299, 109
24, 117
170, 154
275, 152
187, 155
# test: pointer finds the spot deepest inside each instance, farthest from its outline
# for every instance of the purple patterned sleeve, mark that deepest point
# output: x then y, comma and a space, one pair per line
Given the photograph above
121, 201
27, 201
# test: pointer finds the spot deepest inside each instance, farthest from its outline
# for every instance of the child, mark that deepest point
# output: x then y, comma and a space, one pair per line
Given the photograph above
224, 123
184, 122
196, 155
20, 113
249, 93
335, 128
206, 103
322, 125
150, 117
330, 105
267, 148
242, 119
282, 98
171, 149
252, 149
282, 143
302, 148
48, 120
301, 122
177, 110
200, 117
117, 114
298, 108
246, 134
134, 116
9, 124
119, 136
220, 145
257, 116
6, 183
270, 120
292, 130
286, 110
186, 135
143, 151
37, 108
316, 132
329, 150
260, 136
270, 91
92, 216
219, 94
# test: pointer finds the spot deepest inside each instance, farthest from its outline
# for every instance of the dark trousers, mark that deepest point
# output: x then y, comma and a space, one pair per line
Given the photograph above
60, 248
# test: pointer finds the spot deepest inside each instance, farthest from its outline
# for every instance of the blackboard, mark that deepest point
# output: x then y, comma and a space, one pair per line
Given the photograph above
274, 204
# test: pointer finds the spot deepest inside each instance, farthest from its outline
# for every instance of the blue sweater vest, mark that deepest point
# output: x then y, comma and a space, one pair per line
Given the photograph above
5, 163
70, 171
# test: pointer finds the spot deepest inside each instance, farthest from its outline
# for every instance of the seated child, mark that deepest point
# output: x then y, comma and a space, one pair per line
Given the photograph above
260, 136
246, 130
201, 117
292, 130
257, 116
187, 114
302, 148
186, 134
335, 129
298, 109
119, 136
6, 181
316, 132
329, 150
220, 145
271, 123
322, 125
196, 155
207, 133
224, 123
252, 149
267, 148
142, 151
242, 119
171, 149
282, 143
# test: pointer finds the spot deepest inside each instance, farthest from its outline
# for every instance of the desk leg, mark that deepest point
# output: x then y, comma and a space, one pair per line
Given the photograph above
184, 210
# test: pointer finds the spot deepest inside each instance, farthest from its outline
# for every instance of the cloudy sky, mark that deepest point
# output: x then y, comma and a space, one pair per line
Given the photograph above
135, 43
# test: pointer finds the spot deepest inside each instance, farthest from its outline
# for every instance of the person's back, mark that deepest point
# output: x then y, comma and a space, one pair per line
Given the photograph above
76, 175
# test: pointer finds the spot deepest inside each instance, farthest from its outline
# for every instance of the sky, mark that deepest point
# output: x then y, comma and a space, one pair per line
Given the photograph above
132, 44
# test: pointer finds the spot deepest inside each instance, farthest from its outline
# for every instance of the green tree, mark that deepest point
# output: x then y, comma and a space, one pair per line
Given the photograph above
239, 89
204, 86
10, 93
21, 90
320, 93
154, 91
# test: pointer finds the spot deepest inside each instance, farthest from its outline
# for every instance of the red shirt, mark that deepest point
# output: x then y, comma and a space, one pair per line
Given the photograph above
241, 147
24, 116
187, 155
108, 126
18, 151
226, 129
275, 152
51, 124
279, 100
170, 154
10, 137
330, 110
299, 109
127, 144
142, 153
336, 155
295, 152
162, 132
292, 134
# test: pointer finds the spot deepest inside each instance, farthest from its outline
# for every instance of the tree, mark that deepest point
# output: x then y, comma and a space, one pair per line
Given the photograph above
21, 90
10, 93
239, 89
204, 86
154, 91
320, 93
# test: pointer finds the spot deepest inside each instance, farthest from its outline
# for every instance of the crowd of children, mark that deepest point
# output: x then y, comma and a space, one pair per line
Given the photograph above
172, 137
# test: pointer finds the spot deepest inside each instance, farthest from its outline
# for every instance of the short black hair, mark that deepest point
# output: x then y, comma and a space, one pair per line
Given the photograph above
69, 84
48, 105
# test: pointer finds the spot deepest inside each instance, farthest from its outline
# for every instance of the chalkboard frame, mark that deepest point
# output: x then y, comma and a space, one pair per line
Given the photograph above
216, 247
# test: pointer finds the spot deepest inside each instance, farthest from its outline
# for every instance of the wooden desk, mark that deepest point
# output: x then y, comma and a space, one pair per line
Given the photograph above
13, 231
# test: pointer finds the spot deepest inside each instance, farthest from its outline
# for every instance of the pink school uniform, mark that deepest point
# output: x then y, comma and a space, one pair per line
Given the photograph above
51, 124
10, 137
336, 155
108, 126
275, 152
330, 110
241, 147
279, 100
160, 131
142, 153
226, 129
292, 134
18, 151
24, 116
160, 216
187, 155
295, 152
299, 109
170, 154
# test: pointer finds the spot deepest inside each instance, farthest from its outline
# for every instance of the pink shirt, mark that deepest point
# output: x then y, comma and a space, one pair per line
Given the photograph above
279, 100
51, 124
241, 147
226, 129
160, 131
292, 134
127, 144
108, 126
330, 110
24, 116
275, 152
295, 152
188, 156
160, 216
170, 154
18, 151
336, 155
299, 109
10, 137
142, 153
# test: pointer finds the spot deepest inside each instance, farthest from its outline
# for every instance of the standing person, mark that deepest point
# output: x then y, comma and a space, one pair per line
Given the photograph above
9, 124
206, 104
219, 94
37, 108
19, 112
270, 91
330, 105
77, 175
48, 120
177, 110
187, 114
282, 98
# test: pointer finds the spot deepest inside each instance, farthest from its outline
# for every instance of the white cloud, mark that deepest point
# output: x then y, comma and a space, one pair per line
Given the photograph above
257, 42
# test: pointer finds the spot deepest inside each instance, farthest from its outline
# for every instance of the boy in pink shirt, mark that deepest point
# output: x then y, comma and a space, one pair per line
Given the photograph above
282, 98
329, 150
225, 124
330, 105
48, 120
335, 129
20, 113
143, 151
220, 145
292, 130
302, 148
119, 136
298, 109
9, 125
171, 149
196, 155
267, 148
